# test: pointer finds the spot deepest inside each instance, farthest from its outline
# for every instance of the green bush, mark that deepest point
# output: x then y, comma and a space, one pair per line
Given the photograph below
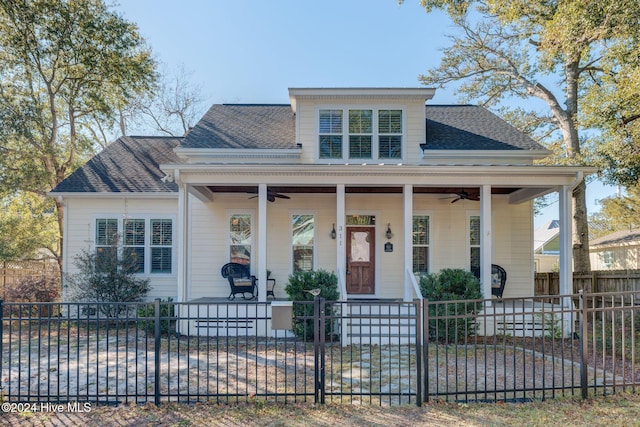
451, 285
167, 312
299, 283
109, 278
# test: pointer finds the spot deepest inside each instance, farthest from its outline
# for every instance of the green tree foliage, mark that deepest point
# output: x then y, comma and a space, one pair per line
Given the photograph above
27, 225
567, 54
617, 213
65, 67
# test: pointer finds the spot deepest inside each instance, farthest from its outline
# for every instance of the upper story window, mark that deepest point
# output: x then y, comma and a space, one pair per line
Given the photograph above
370, 134
330, 134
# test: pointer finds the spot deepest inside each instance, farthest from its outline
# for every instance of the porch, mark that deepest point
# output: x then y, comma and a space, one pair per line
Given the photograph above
378, 321
497, 214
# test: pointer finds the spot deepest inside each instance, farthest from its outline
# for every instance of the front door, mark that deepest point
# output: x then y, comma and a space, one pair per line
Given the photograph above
361, 260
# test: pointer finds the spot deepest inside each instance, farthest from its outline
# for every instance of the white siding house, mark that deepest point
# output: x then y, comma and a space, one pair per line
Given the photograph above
407, 188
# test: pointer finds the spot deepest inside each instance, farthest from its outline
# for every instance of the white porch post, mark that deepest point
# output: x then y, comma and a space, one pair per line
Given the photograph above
566, 247
486, 240
262, 243
182, 241
341, 248
407, 240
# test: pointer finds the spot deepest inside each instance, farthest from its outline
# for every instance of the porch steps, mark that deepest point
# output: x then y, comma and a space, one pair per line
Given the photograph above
379, 323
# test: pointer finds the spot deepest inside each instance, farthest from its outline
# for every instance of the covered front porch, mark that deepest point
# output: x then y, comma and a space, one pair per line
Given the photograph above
379, 256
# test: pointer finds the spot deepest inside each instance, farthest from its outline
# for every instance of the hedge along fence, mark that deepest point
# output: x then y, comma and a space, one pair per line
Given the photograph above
593, 282
12, 272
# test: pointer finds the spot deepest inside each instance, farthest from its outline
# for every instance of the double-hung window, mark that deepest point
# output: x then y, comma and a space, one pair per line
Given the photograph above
105, 243
240, 238
303, 238
330, 134
390, 134
361, 134
474, 245
133, 245
161, 245
421, 244
146, 241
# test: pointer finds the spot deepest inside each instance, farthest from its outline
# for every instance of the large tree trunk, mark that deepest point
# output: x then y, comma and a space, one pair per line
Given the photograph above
581, 260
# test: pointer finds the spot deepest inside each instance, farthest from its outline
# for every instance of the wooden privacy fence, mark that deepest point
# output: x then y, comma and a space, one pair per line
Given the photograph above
593, 282
12, 272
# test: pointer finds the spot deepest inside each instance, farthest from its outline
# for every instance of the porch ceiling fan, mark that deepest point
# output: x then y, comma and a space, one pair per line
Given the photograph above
271, 195
462, 195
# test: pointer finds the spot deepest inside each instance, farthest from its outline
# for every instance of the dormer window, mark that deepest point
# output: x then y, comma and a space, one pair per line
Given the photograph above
372, 134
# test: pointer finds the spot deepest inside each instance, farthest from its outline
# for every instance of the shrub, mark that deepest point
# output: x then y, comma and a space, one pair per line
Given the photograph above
107, 279
451, 285
34, 289
167, 312
299, 283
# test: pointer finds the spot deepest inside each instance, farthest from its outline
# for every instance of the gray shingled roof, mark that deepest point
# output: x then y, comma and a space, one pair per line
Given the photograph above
129, 164
244, 126
470, 127
617, 238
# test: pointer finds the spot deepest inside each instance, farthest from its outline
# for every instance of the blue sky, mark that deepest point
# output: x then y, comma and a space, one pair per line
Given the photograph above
252, 51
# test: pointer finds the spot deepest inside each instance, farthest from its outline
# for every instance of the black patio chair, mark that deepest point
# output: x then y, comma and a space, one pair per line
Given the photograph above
240, 280
498, 280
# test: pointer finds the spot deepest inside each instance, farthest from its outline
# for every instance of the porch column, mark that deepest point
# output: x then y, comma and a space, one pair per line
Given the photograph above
261, 274
486, 240
407, 239
341, 248
566, 255
182, 228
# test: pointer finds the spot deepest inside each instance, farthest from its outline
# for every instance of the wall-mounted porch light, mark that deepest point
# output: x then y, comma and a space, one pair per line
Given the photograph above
388, 234
333, 232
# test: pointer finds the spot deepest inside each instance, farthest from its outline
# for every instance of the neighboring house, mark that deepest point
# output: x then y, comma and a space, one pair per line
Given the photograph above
366, 182
546, 247
616, 251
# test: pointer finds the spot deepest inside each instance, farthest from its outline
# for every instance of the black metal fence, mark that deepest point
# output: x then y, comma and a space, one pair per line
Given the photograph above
519, 349
221, 351
367, 352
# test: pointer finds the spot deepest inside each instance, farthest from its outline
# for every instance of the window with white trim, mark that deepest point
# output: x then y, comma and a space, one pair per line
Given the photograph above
607, 259
371, 134
302, 241
149, 240
390, 134
106, 238
161, 245
330, 132
240, 238
421, 244
133, 244
474, 245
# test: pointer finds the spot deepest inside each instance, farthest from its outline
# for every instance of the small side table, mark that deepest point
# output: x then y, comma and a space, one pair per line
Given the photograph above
270, 289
